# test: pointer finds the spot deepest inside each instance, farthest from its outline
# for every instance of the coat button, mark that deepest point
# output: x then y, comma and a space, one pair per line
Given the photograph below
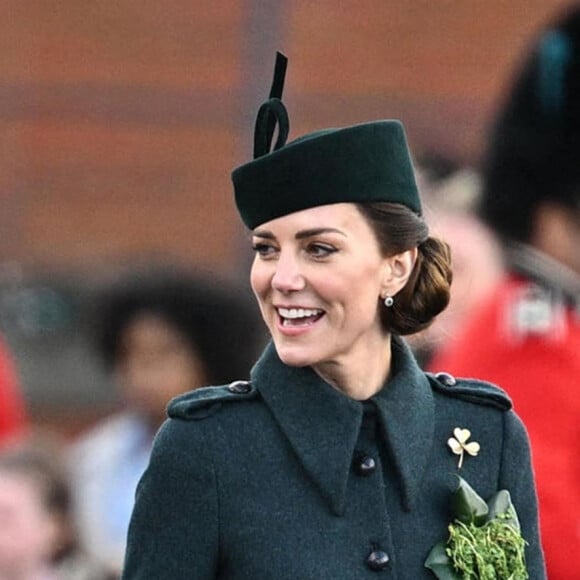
240, 387
364, 465
447, 379
377, 560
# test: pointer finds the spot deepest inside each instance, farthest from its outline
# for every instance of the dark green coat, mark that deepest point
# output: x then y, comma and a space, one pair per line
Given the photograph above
277, 483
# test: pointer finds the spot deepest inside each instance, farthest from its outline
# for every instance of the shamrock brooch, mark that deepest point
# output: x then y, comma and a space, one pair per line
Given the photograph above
459, 444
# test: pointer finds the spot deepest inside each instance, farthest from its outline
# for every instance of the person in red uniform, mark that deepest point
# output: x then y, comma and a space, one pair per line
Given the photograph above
13, 421
526, 337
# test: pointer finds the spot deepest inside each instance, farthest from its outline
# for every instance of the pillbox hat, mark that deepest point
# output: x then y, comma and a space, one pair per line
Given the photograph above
367, 162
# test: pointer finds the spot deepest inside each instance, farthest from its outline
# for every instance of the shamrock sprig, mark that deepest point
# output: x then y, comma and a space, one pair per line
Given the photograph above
485, 542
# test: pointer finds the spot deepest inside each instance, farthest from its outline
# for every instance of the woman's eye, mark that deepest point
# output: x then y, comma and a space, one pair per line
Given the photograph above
321, 250
263, 250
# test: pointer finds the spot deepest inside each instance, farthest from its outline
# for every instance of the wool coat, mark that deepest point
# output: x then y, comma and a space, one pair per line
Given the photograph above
286, 478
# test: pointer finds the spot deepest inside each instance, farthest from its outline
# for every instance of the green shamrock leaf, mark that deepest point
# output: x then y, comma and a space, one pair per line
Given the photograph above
467, 505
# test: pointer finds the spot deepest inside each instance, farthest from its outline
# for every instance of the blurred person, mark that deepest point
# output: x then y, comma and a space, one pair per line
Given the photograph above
37, 529
450, 204
13, 413
527, 335
335, 460
161, 333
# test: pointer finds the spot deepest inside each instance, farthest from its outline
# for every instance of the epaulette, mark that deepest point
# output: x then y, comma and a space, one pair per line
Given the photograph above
471, 390
204, 402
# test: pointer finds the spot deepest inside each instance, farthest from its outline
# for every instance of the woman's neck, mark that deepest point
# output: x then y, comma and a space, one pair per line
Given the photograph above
359, 377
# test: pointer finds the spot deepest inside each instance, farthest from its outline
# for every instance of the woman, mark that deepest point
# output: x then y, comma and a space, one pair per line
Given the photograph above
334, 460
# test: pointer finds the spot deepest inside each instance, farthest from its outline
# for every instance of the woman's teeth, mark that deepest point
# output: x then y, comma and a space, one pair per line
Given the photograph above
299, 316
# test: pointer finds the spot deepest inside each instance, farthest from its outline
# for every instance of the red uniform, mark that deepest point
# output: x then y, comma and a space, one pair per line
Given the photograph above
12, 407
526, 339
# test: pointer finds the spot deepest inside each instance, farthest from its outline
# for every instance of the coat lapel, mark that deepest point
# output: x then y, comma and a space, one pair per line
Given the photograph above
322, 425
407, 416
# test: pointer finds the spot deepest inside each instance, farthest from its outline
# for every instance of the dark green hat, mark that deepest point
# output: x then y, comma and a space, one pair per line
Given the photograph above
369, 162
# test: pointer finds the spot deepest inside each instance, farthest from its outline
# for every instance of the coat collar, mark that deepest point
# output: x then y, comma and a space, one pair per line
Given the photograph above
322, 425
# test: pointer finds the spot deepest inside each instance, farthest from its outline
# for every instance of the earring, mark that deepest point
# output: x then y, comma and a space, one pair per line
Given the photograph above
388, 301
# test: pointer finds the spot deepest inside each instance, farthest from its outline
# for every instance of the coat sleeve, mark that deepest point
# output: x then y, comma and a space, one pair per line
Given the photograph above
518, 478
174, 525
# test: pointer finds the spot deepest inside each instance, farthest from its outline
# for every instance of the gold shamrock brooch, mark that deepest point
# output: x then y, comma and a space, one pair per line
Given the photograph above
459, 445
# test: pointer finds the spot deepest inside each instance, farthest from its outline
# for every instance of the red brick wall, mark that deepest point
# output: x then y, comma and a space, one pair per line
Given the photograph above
120, 121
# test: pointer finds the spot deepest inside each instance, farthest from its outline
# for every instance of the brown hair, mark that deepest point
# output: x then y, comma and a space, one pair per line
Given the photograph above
426, 293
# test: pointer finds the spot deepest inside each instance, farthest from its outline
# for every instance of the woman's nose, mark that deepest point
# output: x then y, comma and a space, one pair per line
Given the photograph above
288, 276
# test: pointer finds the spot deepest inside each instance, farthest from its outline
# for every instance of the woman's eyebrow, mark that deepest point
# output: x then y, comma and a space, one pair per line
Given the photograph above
317, 231
301, 234
263, 234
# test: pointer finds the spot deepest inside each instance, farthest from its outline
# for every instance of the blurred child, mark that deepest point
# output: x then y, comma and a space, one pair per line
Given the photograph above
37, 532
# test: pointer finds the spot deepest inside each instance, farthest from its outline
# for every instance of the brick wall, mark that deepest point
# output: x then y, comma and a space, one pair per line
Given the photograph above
120, 121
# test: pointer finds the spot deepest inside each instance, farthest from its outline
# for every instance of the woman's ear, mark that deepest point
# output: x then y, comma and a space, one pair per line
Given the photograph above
398, 268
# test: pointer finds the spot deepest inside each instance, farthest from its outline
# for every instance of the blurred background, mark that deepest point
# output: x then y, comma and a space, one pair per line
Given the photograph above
120, 123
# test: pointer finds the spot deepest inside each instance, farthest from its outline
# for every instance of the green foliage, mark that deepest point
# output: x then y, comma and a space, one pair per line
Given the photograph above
467, 504
490, 552
484, 541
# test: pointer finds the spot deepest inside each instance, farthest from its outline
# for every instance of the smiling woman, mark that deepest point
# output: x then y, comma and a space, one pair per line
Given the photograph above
303, 277
333, 461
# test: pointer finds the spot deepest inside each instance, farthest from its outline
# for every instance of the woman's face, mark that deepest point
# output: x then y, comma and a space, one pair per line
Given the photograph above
318, 275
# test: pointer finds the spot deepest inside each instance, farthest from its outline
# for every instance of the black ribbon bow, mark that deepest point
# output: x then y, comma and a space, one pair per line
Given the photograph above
272, 113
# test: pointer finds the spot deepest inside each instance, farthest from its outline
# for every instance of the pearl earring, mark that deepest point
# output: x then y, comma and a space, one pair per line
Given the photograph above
388, 301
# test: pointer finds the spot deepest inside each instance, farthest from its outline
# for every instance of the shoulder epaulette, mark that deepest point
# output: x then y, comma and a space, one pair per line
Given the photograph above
204, 402
470, 390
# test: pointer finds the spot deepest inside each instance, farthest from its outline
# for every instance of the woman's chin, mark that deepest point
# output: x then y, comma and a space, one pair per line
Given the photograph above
294, 357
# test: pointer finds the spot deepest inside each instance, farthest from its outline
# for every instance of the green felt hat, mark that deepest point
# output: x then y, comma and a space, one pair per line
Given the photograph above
369, 162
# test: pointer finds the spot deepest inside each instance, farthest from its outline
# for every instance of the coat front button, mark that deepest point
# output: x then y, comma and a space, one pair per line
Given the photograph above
240, 387
377, 560
364, 465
